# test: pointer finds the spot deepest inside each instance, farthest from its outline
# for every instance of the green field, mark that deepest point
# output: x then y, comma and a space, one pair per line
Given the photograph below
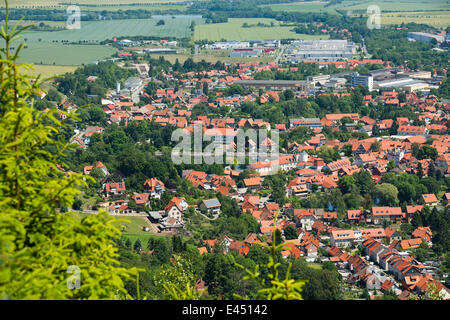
151, 7
57, 3
433, 18
394, 5
313, 6
47, 47
233, 30
49, 71
64, 55
94, 31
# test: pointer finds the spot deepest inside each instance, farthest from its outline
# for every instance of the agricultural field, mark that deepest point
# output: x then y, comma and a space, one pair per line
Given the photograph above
233, 30
48, 71
57, 3
438, 19
47, 47
313, 6
64, 55
96, 31
394, 5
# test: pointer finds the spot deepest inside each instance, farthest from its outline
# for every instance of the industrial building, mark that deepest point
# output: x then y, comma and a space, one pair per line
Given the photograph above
425, 37
245, 53
274, 85
405, 83
320, 50
132, 84
365, 80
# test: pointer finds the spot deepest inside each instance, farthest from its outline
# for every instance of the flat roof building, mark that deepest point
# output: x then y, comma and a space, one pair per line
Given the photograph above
425, 37
320, 50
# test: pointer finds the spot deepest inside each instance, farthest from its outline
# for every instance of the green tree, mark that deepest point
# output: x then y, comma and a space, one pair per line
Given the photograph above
387, 194
39, 245
290, 232
137, 245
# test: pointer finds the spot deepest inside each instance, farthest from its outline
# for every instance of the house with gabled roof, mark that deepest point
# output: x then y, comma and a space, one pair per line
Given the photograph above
141, 199
176, 207
355, 216
430, 199
154, 187
211, 206
304, 218
392, 234
423, 233
114, 189
393, 214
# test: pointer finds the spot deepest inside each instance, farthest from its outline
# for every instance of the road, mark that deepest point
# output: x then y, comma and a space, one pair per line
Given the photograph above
280, 54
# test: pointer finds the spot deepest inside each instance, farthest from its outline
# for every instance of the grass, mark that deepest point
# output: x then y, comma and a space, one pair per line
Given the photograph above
49, 71
133, 229
315, 266
233, 30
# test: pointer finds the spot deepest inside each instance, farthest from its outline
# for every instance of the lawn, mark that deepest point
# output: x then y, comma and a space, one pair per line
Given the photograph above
233, 30
133, 229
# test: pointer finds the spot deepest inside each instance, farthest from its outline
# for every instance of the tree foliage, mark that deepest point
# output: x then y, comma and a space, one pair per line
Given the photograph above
39, 244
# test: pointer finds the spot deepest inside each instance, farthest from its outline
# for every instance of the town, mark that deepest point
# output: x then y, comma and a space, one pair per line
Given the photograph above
356, 188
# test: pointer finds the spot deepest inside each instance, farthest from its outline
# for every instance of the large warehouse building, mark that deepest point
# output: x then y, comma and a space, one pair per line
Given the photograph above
320, 50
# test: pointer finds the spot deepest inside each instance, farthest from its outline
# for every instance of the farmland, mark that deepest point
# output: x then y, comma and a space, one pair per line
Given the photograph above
233, 30
96, 31
314, 6
64, 55
398, 5
47, 47
47, 71
57, 3
432, 18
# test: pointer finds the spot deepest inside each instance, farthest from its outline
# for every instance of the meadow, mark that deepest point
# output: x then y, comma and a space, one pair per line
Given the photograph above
233, 30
